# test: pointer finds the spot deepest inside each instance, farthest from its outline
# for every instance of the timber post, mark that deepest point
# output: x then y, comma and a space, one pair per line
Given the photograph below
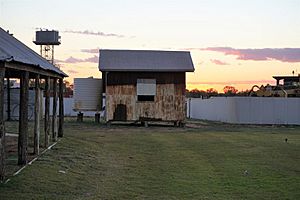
61, 108
47, 111
54, 111
37, 116
2, 127
23, 119
8, 100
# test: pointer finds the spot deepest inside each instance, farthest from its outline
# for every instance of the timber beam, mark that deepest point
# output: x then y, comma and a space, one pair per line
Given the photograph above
32, 69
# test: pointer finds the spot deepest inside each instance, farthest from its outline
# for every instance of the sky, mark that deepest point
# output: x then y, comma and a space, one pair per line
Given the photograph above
232, 42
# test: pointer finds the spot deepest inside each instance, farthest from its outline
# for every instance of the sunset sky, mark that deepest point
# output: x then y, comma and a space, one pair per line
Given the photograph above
232, 42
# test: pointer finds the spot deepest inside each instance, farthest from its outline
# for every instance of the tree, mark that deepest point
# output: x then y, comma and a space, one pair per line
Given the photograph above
68, 89
212, 92
195, 93
243, 93
230, 90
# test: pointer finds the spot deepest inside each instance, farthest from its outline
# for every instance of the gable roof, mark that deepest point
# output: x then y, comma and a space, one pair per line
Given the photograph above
12, 49
145, 60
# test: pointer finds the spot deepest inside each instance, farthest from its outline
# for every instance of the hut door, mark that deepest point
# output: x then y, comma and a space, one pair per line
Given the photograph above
120, 113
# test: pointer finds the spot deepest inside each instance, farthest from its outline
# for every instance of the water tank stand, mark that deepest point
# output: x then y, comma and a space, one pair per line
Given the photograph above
97, 118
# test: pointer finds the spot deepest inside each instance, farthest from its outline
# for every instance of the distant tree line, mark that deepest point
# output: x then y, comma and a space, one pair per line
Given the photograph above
211, 92
194, 93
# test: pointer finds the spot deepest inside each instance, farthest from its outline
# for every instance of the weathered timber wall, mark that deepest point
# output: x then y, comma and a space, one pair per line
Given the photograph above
168, 104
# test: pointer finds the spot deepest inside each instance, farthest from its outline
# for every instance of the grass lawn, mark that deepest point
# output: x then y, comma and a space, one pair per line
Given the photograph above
202, 161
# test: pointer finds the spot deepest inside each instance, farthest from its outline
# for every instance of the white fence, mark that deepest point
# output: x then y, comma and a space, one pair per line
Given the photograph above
15, 98
68, 108
246, 110
240, 110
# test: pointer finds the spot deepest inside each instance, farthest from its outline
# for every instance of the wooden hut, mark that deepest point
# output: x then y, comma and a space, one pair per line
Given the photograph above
18, 61
145, 85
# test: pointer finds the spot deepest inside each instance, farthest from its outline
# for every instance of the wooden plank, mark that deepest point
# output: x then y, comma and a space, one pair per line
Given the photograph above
23, 119
61, 109
33, 69
36, 148
54, 111
47, 112
8, 99
2, 127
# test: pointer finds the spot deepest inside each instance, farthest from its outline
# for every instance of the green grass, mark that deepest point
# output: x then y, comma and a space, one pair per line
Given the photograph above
202, 161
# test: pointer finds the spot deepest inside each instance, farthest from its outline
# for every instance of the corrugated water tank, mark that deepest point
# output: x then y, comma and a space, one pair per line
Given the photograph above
87, 94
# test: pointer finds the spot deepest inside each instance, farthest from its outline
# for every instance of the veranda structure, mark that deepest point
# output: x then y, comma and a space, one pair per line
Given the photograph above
17, 61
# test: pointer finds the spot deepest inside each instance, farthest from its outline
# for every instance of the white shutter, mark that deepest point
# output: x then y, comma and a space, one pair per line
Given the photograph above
146, 87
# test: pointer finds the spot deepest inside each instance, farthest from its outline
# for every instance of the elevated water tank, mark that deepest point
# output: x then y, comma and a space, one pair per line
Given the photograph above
87, 94
46, 37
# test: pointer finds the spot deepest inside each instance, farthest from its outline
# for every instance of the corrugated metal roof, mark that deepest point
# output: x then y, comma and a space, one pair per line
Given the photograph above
12, 49
145, 60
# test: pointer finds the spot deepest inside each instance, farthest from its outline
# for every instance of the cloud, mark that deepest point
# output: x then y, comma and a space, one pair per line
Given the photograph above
90, 50
72, 60
218, 62
246, 82
99, 33
94, 59
71, 71
281, 54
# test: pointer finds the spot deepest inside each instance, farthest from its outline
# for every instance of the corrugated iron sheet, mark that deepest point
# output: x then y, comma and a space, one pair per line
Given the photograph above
12, 49
145, 60
87, 94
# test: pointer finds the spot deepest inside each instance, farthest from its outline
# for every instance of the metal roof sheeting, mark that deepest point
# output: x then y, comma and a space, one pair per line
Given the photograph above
12, 49
145, 60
